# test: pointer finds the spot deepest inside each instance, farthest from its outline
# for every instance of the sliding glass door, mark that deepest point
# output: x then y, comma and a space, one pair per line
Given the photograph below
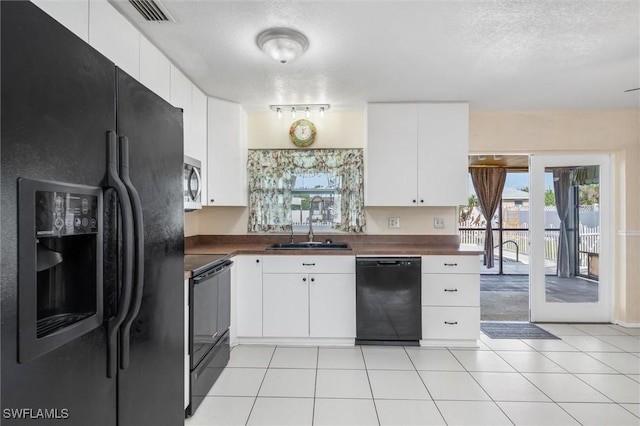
571, 238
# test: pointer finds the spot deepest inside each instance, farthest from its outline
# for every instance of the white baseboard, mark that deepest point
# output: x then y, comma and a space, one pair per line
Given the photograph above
627, 324
295, 341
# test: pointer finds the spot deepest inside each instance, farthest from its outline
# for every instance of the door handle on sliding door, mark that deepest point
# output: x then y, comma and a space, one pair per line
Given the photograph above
113, 325
138, 236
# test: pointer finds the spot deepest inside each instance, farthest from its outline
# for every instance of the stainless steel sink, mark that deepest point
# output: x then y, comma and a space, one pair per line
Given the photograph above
309, 246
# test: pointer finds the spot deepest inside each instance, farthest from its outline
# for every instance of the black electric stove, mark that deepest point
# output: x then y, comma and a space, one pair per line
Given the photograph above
209, 321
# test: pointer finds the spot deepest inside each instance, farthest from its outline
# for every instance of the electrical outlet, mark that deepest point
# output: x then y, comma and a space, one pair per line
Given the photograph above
394, 222
438, 222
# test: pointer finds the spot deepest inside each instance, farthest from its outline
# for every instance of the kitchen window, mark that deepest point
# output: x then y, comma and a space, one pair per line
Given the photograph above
290, 188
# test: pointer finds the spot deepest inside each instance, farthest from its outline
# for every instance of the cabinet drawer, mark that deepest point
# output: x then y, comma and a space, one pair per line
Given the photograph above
309, 264
451, 289
441, 264
454, 323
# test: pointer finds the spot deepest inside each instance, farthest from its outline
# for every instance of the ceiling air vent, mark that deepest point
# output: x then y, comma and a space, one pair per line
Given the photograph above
152, 11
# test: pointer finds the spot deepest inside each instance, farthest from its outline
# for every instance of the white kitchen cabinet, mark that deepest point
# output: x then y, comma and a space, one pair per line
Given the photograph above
248, 304
391, 169
197, 146
73, 14
332, 305
285, 305
116, 38
443, 150
181, 93
155, 69
450, 300
416, 154
226, 154
309, 296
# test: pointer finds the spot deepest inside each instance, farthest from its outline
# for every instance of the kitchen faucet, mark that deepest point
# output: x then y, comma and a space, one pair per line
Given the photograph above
311, 215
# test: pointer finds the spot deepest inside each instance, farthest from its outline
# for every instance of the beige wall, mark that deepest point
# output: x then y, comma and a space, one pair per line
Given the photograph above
337, 129
499, 132
614, 132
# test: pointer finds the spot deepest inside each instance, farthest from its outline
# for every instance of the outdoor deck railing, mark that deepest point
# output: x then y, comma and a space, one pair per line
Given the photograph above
589, 242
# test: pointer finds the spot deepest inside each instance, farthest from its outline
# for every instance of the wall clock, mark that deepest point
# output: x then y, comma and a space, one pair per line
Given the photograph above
302, 133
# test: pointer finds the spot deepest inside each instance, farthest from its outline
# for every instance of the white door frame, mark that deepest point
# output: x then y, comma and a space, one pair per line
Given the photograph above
541, 310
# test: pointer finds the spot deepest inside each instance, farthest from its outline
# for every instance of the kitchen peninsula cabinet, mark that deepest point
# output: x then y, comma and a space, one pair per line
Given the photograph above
309, 297
226, 154
416, 154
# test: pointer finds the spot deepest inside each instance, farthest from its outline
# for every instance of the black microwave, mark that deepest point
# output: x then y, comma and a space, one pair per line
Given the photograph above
192, 184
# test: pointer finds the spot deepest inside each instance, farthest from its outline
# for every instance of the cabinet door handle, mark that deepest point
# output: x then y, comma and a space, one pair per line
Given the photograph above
414, 201
212, 200
450, 264
313, 279
451, 290
304, 280
451, 323
308, 264
422, 201
257, 260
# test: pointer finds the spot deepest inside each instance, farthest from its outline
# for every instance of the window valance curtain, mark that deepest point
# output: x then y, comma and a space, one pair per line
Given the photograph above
271, 176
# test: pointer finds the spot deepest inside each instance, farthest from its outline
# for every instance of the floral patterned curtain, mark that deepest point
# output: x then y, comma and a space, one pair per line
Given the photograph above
271, 176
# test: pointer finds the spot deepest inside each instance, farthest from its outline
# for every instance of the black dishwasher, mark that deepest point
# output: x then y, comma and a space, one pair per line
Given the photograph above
388, 300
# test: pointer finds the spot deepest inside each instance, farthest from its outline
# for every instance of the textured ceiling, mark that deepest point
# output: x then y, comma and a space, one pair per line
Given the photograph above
499, 54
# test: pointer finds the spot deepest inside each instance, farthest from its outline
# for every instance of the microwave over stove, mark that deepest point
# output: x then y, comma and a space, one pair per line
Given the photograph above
192, 184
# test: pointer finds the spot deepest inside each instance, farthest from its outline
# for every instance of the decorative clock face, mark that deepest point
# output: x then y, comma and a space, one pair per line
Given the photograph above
302, 133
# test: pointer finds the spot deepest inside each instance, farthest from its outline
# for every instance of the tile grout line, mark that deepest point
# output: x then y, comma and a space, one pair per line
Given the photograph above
534, 385
261, 383
366, 369
315, 387
483, 389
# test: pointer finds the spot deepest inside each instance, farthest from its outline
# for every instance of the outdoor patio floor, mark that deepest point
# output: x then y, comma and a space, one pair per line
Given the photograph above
506, 297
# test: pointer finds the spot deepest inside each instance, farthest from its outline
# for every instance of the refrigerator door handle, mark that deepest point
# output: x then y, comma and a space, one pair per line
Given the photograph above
138, 279
113, 325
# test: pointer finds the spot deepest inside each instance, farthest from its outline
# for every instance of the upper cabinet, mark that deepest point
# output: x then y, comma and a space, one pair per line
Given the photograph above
155, 69
226, 154
196, 147
417, 154
181, 93
115, 37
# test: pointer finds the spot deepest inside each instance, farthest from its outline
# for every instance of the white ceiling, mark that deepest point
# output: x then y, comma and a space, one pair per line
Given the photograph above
499, 54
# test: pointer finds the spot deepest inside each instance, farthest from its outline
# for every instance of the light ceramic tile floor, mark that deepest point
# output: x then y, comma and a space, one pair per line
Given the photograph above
590, 377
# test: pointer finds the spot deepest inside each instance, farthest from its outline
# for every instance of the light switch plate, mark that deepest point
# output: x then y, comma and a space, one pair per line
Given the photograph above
394, 222
438, 222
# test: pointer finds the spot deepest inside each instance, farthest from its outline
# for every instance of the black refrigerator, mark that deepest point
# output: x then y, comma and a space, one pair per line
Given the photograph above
92, 235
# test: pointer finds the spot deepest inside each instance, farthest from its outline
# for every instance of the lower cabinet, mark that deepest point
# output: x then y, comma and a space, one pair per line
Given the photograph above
332, 305
309, 296
450, 300
248, 295
309, 305
285, 305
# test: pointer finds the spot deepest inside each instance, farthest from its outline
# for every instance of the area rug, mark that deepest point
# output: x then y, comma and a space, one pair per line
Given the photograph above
514, 330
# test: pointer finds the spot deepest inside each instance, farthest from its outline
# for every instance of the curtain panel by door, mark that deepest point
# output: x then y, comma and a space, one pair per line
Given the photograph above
272, 173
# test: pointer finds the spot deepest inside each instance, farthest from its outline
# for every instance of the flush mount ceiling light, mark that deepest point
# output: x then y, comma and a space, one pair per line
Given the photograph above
282, 44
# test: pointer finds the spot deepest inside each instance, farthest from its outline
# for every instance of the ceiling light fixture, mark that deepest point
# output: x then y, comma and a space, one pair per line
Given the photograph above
307, 108
282, 44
